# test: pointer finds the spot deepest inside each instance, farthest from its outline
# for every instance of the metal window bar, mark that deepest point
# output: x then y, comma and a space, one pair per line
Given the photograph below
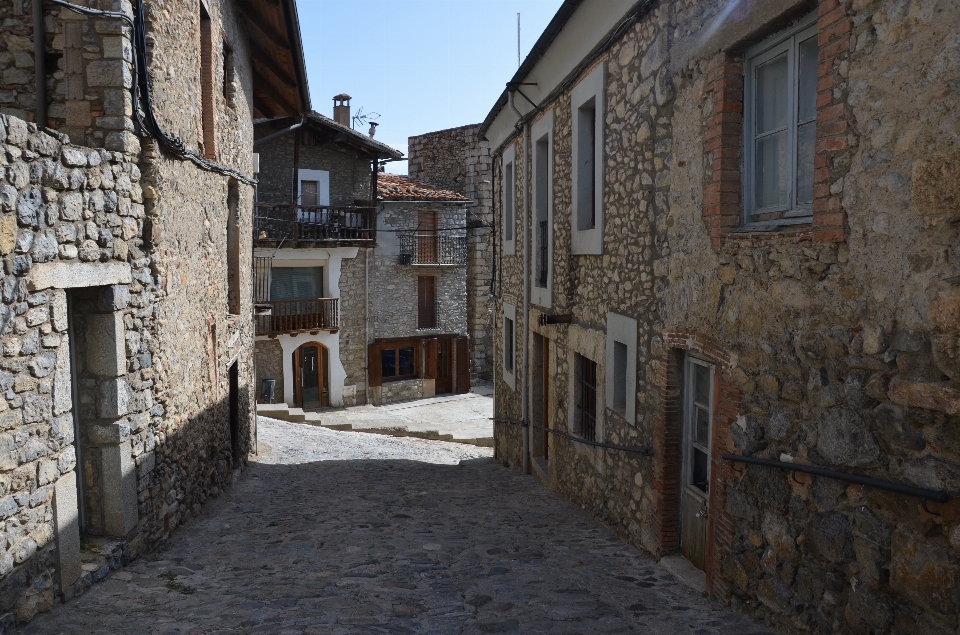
314, 223
542, 254
432, 248
586, 394
428, 315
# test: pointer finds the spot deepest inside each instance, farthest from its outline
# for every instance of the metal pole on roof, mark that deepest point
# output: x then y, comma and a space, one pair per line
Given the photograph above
518, 40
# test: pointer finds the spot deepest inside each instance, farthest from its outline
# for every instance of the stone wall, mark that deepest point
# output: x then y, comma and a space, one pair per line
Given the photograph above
836, 348
269, 356
394, 391
353, 326
458, 160
121, 253
349, 173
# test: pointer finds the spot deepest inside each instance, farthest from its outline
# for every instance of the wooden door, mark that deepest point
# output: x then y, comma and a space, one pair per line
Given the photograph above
462, 364
309, 380
427, 308
444, 366
697, 416
426, 237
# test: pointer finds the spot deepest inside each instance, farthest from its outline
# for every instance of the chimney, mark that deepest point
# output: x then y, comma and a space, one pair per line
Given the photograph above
341, 109
373, 128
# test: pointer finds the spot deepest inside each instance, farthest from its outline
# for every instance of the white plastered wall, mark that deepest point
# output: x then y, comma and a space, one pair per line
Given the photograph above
542, 296
624, 330
589, 241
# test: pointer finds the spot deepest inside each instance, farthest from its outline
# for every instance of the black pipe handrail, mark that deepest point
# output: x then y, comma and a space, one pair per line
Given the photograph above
900, 488
595, 444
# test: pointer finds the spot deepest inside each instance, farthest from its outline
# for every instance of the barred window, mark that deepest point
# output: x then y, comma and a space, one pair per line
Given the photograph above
585, 396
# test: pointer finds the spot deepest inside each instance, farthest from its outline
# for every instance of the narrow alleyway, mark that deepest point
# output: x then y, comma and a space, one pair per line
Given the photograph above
345, 532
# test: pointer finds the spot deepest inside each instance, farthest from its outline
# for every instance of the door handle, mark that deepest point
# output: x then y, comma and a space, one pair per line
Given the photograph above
702, 512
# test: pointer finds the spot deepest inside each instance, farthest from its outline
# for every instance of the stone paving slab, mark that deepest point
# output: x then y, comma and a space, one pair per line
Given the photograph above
464, 418
344, 532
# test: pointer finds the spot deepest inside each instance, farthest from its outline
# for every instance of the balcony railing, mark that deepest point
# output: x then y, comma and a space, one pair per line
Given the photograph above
428, 316
432, 249
275, 222
288, 316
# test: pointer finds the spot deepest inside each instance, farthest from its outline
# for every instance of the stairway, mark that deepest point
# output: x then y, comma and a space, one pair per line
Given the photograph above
296, 415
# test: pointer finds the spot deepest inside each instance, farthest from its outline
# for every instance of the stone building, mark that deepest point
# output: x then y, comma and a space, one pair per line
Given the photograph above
313, 237
729, 231
127, 350
418, 293
458, 160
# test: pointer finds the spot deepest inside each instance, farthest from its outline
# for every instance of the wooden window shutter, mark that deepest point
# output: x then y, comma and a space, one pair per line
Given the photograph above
430, 363
374, 366
463, 365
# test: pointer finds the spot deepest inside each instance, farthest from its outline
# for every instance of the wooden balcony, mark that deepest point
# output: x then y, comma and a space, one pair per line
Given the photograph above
314, 226
292, 316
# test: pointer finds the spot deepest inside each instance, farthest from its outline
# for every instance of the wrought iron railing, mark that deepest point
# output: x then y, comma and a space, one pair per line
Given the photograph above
428, 316
262, 267
432, 248
287, 316
314, 223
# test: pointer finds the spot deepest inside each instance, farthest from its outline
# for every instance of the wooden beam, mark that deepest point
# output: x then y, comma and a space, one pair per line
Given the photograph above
282, 90
260, 25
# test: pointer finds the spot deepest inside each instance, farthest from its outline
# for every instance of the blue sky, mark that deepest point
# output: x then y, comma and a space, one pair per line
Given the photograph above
423, 65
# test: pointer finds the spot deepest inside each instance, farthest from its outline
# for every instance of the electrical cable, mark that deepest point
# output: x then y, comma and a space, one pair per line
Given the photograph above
143, 108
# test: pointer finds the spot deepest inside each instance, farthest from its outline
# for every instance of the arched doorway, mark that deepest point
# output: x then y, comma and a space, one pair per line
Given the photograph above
311, 375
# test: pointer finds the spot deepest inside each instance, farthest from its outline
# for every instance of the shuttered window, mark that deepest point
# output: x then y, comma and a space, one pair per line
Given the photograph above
296, 283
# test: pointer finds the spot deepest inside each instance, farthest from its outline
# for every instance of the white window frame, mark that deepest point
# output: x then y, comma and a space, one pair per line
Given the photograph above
588, 241
509, 376
509, 197
542, 296
786, 40
687, 444
623, 329
322, 177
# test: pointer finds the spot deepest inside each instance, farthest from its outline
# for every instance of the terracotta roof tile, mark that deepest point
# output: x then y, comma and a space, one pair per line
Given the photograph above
393, 187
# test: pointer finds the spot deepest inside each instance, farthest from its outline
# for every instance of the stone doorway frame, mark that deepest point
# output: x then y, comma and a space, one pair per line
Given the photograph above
120, 486
667, 447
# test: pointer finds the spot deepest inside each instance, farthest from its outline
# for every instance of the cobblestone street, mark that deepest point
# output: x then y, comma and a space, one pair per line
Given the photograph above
345, 532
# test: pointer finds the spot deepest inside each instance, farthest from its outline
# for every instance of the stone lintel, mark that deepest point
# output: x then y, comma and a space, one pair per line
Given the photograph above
71, 275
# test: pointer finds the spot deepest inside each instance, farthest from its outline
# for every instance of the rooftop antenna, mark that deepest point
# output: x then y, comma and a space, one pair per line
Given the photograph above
518, 40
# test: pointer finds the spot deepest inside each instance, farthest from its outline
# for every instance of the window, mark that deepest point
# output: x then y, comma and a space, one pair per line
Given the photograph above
780, 112
509, 345
543, 209
428, 309
207, 106
296, 283
234, 292
587, 219
509, 200
621, 359
308, 193
697, 412
398, 360
585, 396
313, 190
229, 76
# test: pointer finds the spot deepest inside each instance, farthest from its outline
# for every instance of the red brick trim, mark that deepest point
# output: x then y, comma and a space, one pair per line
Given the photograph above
723, 138
667, 447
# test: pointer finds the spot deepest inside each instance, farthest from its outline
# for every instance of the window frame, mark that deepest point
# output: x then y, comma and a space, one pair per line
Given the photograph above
509, 196
622, 329
590, 88
786, 40
580, 386
543, 128
509, 374
396, 346
688, 446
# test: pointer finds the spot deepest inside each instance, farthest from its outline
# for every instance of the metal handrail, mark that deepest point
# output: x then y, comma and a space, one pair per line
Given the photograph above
277, 221
432, 248
900, 488
596, 444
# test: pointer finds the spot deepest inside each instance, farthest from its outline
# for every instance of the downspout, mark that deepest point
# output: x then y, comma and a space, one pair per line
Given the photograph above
524, 388
39, 63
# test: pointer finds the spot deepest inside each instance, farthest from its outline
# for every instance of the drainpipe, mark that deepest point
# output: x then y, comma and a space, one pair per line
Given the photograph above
39, 63
525, 389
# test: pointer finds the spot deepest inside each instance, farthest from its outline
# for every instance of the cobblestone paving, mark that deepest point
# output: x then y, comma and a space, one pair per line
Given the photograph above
345, 532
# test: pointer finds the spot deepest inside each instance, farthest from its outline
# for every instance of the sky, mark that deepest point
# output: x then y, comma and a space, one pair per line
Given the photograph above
422, 65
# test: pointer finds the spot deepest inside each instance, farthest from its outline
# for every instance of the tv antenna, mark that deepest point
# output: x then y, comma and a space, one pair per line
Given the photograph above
518, 40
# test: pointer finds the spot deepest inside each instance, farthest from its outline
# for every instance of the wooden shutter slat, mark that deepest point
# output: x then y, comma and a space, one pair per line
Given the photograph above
430, 363
374, 366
